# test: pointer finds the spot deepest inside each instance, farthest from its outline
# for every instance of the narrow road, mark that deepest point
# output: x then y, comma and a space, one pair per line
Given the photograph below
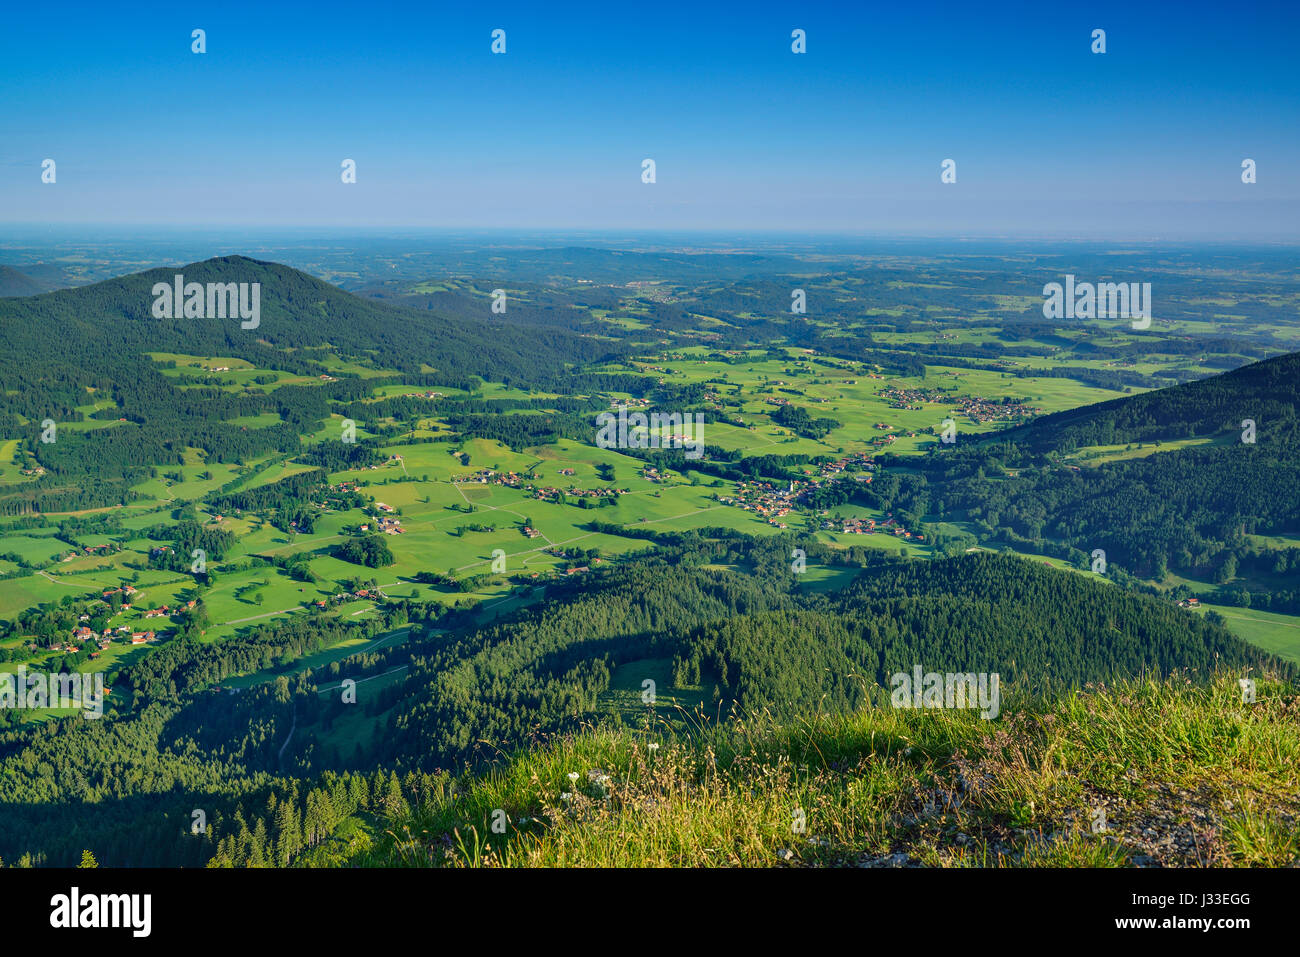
1267, 621
490, 508
59, 581
363, 680
240, 621
292, 727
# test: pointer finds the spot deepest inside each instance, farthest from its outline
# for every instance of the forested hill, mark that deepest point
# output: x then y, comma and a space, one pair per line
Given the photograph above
1264, 392
1152, 503
755, 638
97, 326
72, 348
719, 616
15, 283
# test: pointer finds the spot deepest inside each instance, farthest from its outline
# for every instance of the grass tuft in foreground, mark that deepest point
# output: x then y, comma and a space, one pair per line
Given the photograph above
1144, 773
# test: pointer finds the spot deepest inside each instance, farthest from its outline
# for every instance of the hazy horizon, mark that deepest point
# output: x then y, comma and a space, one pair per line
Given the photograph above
1142, 142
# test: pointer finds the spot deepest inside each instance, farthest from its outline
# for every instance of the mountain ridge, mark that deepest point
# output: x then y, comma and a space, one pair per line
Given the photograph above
298, 311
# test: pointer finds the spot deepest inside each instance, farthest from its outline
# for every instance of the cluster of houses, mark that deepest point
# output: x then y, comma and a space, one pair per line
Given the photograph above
424, 395
166, 611
979, 410
983, 410
774, 501
386, 524
83, 633
549, 493
585, 492
860, 460
493, 477
766, 499
361, 594
869, 526
543, 492
912, 399
1190, 603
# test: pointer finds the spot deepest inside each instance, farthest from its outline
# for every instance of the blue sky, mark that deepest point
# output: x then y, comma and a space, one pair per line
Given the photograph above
1145, 141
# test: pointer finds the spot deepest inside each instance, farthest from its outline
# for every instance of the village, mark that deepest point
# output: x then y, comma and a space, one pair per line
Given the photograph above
979, 410
343, 597
388, 524
135, 635
869, 526
547, 493
773, 502
912, 399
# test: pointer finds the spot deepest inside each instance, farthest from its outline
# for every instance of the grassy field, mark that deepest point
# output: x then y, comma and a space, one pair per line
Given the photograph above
1278, 634
631, 697
848, 395
454, 525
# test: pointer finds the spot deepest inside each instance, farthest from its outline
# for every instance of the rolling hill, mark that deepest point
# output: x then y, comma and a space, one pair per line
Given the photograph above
1189, 507
298, 312
15, 283
306, 327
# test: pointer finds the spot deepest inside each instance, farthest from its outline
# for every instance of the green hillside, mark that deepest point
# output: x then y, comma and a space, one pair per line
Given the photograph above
1190, 509
15, 283
1145, 773
458, 691
116, 412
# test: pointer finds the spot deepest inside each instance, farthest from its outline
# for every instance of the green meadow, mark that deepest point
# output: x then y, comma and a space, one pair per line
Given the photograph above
455, 525
1278, 634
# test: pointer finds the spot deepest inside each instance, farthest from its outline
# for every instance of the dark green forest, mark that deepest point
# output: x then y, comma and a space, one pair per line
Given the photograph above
176, 740
1188, 509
